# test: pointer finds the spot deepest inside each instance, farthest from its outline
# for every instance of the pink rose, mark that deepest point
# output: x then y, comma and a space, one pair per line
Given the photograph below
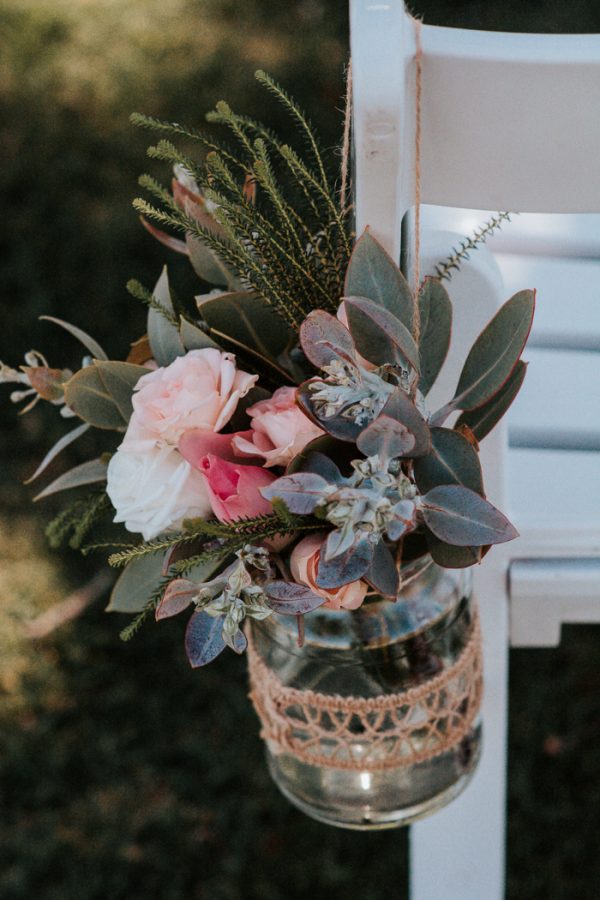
234, 489
198, 390
280, 430
304, 566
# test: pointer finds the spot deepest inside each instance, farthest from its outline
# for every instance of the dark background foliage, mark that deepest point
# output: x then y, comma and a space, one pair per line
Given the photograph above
122, 773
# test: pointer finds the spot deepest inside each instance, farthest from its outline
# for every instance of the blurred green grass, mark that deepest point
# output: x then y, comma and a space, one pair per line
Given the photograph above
123, 774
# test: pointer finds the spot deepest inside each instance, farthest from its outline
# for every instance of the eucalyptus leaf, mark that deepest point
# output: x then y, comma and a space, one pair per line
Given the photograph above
459, 516
164, 337
207, 265
386, 438
484, 418
178, 595
348, 566
452, 460
451, 557
203, 639
239, 642
372, 273
193, 338
382, 574
301, 492
495, 353
379, 335
324, 339
86, 394
324, 448
287, 598
318, 463
120, 379
243, 322
90, 472
136, 584
58, 447
401, 408
435, 310
88, 342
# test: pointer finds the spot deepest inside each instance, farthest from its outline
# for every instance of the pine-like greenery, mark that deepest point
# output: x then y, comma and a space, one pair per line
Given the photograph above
73, 524
290, 243
444, 269
223, 538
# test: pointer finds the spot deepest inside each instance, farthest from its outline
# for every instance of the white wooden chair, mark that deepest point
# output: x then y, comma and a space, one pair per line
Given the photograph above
509, 122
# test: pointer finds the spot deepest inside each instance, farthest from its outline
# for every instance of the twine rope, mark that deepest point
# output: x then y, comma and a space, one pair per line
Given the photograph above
381, 732
417, 262
346, 138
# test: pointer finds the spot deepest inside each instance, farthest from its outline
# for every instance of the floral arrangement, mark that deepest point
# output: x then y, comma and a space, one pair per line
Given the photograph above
273, 447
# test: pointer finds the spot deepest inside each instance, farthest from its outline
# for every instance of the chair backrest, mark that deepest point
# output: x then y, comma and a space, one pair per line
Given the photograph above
509, 121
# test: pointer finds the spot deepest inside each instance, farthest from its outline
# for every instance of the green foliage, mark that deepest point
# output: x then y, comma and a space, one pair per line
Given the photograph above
459, 254
101, 394
163, 329
452, 460
482, 419
435, 318
373, 273
89, 472
244, 323
138, 291
380, 336
74, 523
291, 244
493, 356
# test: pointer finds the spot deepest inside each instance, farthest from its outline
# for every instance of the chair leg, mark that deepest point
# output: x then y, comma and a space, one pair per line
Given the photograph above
458, 853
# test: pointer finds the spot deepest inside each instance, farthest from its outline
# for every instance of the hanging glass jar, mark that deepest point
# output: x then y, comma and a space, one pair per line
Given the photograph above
373, 722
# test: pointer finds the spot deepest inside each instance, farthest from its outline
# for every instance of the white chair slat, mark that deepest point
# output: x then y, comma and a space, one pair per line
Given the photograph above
559, 403
568, 298
555, 493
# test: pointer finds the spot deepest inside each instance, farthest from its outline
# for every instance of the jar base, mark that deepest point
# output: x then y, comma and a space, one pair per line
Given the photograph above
334, 808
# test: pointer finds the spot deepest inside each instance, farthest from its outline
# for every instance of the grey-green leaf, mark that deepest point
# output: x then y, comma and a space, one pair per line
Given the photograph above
193, 338
457, 515
90, 472
435, 310
379, 335
484, 418
207, 265
58, 447
244, 321
203, 639
495, 352
451, 557
452, 460
87, 395
88, 342
135, 585
373, 273
165, 341
119, 379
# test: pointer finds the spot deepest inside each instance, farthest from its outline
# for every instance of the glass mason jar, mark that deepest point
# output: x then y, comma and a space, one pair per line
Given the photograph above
374, 721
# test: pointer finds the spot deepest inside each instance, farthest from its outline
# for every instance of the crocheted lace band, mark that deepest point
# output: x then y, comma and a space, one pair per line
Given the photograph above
377, 733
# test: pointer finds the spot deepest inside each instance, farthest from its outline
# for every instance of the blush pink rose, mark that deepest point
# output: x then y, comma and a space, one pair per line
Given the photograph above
198, 390
234, 489
304, 566
280, 430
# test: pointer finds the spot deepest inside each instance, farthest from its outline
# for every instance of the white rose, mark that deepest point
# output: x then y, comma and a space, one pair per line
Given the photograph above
154, 491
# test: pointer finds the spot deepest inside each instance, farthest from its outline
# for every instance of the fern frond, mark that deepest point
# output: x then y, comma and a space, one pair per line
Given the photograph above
301, 119
138, 291
459, 254
72, 525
